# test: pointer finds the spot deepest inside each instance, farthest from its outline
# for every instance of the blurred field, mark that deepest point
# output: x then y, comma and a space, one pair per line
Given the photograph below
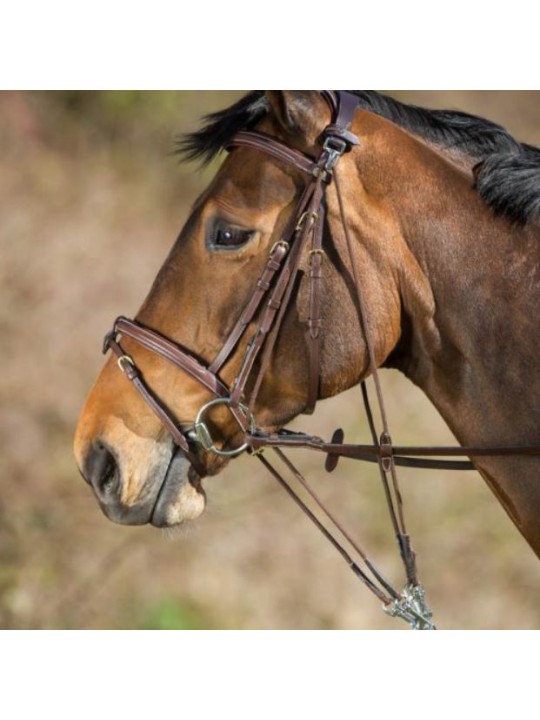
91, 199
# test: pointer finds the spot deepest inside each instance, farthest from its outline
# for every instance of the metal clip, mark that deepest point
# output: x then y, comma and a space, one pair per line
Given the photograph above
412, 608
335, 147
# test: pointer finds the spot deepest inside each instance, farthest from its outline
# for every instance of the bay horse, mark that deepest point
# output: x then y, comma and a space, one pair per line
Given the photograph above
431, 248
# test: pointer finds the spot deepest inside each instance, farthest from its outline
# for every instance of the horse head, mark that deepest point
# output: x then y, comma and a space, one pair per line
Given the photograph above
123, 450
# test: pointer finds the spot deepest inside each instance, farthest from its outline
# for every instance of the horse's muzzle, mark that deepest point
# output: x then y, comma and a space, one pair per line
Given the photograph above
170, 495
103, 473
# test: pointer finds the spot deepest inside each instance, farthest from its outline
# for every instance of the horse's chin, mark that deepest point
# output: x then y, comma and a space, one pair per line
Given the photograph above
181, 497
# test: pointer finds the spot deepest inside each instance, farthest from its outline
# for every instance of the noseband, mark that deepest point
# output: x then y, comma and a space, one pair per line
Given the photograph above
270, 300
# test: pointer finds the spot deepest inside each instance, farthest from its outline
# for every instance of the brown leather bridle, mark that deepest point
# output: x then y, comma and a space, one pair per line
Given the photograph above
269, 302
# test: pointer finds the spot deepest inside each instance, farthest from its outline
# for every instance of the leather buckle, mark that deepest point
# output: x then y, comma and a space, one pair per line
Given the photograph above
310, 217
280, 243
123, 362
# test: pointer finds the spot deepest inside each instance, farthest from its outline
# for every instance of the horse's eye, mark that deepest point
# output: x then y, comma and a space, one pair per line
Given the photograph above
231, 237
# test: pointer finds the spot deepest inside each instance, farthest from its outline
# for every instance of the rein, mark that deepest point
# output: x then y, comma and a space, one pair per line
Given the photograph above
270, 300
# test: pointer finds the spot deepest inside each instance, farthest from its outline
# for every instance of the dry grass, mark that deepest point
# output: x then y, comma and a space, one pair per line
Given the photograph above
87, 218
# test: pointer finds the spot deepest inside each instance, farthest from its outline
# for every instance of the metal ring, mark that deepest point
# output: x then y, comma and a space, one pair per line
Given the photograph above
201, 434
124, 358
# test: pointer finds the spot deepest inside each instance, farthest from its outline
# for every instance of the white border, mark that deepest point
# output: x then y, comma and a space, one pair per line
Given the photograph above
267, 674
239, 45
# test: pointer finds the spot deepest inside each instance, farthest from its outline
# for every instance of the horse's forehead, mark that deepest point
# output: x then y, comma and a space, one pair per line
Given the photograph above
249, 177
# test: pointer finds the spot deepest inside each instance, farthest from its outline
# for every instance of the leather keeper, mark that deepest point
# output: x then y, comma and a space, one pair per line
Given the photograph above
349, 138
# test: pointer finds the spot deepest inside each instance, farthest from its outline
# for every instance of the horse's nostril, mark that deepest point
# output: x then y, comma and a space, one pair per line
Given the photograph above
101, 471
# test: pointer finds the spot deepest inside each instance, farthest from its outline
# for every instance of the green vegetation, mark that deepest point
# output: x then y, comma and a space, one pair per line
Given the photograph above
171, 614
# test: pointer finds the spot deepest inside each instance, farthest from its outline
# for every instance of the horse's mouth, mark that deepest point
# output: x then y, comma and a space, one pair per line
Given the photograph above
181, 496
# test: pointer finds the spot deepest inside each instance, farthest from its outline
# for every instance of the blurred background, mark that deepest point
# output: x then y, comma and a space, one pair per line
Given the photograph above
91, 199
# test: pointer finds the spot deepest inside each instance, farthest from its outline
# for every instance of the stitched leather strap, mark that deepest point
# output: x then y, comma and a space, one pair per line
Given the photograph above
275, 307
313, 334
132, 372
273, 265
285, 285
271, 146
172, 352
398, 452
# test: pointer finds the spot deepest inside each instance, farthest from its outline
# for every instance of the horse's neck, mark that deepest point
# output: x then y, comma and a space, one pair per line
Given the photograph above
475, 353
470, 327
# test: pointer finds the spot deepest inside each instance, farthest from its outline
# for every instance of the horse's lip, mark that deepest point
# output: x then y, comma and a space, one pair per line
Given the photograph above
171, 482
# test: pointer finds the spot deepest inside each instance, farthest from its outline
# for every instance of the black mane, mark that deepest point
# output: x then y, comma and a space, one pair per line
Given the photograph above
507, 172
